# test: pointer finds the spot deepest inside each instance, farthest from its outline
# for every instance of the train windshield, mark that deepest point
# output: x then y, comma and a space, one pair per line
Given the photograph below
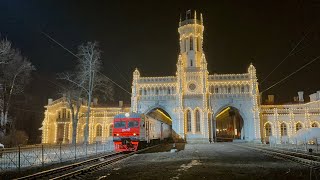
119, 124
133, 124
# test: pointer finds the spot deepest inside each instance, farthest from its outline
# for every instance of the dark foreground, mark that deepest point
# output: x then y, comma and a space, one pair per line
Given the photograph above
204, 161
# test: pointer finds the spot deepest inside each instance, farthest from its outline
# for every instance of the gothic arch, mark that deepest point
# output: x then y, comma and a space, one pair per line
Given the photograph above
197, 119
235, 130
314, 123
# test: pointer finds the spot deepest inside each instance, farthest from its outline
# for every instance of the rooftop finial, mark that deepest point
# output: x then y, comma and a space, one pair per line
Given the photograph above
201, 20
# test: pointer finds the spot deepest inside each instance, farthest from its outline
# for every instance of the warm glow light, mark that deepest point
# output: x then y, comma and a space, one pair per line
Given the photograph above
223, 112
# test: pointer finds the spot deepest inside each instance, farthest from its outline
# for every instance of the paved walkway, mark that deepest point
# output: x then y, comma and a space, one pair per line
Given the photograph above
205, 161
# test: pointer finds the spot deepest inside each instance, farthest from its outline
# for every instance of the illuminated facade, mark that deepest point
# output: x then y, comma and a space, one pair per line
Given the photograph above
193, 98
283, 121
57, 124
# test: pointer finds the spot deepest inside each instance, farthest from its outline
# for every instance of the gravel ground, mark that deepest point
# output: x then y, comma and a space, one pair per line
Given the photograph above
204, 161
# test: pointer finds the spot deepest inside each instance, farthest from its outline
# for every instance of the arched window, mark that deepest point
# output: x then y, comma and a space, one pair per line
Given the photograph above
188, 117
191, 43
314, 125
283, 128
198, 44
191, 63
185, 45
268, 130
242, 89
298, 126
229, 89
84, 130
197, 121
98, 130
110, 130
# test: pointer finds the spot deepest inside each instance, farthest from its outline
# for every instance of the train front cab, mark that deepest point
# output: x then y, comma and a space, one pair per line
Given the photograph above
126, 133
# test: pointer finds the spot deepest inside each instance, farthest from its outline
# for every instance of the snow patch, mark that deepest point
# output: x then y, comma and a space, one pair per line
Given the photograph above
184, 167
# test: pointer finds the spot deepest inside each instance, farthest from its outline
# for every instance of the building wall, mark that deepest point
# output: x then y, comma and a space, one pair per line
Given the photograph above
306, 114
193, 89
57, 125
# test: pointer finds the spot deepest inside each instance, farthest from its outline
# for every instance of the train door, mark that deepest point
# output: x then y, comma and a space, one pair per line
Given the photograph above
161, 130
148, 131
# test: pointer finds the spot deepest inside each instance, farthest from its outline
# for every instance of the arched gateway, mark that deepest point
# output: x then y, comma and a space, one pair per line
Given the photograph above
193, 98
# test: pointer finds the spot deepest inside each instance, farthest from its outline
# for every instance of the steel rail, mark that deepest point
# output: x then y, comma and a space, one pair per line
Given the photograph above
95, 167
80, 167
64, 168
306, 159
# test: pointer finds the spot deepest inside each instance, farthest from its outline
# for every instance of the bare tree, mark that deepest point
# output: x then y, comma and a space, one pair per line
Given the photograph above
88, 79
15, 71
73, 96
5, 51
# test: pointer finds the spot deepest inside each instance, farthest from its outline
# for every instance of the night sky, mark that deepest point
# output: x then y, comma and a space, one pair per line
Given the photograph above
145, 35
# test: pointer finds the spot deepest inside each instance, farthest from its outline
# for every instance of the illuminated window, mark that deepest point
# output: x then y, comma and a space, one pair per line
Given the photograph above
98, 130
242, 89
283, 128
191, 43
298, 126
185, 45
198, 43
64, 113
314, 125
197, 121
188, 121
268, 130
110, 130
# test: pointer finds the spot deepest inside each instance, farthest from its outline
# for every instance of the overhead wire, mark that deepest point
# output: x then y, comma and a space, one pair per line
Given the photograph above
79, 58
313, 60
289, 54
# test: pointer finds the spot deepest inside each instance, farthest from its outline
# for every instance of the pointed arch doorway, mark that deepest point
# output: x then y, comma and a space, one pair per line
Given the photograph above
228, 125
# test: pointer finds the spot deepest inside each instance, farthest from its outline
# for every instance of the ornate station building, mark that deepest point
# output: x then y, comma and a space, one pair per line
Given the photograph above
202, 106
57, 123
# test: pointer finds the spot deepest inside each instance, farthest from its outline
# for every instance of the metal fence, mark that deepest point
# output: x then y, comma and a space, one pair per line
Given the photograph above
292, 144
12, 159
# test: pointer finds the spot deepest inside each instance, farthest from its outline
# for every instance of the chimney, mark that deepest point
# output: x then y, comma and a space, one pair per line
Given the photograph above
300, 98
95, 101
50, 101
121, 104
271, 99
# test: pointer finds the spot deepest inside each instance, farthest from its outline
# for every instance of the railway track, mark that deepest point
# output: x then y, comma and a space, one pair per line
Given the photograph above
81, 169
308, 160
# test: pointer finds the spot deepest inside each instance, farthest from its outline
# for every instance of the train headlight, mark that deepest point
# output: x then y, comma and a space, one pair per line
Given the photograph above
117, 134
134, 134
